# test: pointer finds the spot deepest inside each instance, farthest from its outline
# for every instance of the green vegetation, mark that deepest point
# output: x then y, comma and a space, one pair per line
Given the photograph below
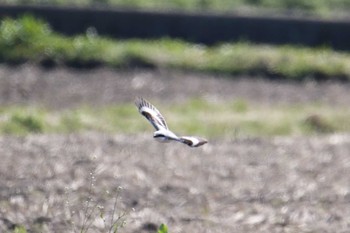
19, 229
319, 7
163, 228
29, 39
225, 119
22, 123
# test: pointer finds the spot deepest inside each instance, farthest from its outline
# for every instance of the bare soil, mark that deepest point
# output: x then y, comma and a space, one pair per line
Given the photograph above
65, 88
51, 183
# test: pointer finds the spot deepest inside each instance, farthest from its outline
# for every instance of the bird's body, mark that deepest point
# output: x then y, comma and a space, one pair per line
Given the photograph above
162, 133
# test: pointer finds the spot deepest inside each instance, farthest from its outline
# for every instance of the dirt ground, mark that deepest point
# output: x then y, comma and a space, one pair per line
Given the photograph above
51, 183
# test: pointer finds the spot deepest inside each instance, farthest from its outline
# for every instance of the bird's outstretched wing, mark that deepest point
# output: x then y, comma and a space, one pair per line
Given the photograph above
193, 141
151, 113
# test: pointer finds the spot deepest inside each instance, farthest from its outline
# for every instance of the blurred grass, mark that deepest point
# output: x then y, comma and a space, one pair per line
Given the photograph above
19, 229
317, 7
197, 117
29, 39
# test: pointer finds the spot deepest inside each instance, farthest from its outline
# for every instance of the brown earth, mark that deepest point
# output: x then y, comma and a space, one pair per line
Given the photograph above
62, 88
51, 183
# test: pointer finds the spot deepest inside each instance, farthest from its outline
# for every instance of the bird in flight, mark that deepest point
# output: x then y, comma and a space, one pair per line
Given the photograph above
162, 133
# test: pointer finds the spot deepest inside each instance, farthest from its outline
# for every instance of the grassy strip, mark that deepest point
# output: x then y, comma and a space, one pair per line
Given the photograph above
29, 39
197, 117
319, 7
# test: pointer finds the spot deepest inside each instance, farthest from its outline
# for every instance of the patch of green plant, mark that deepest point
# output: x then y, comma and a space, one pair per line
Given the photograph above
23, 123
162, 228
29, 39
123, 118
229, 119
194, 117
72, 122
20, 229
239, 106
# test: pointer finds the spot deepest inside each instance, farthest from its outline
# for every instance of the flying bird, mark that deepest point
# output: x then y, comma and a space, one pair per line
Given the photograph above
162, 133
